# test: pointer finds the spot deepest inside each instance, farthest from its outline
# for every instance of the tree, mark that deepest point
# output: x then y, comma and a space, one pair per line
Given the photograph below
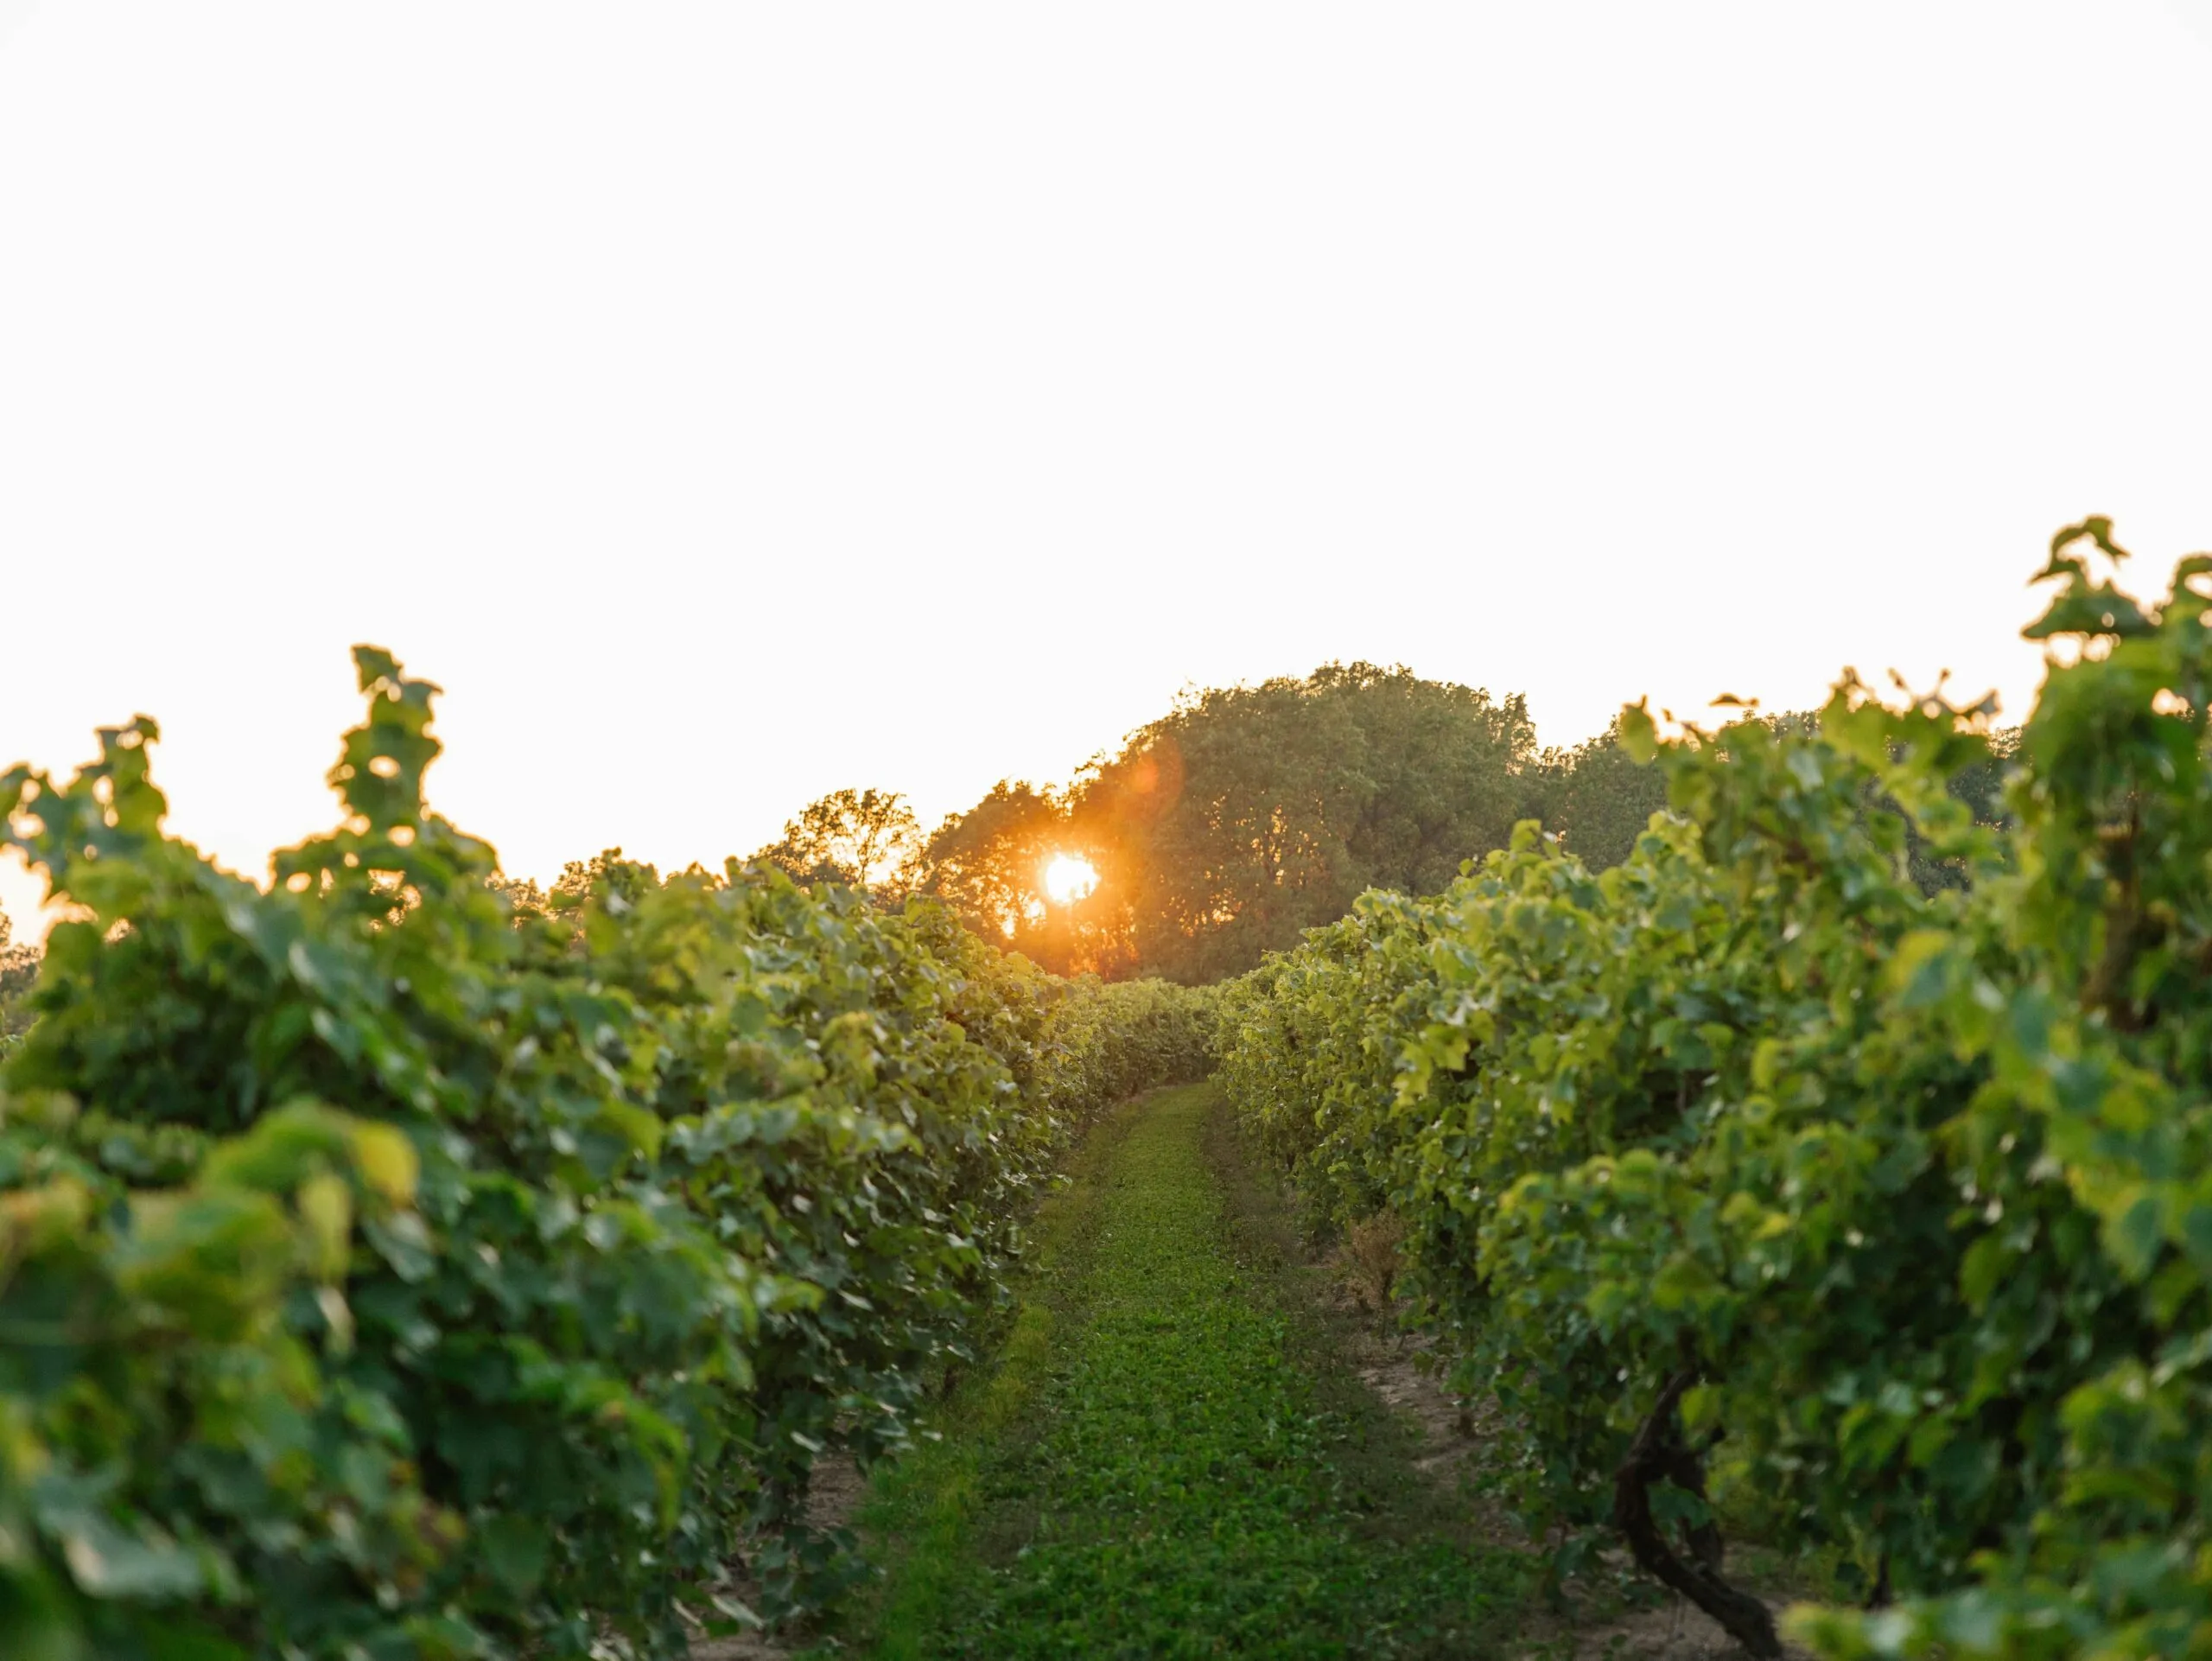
988, 865
1595, 797
867, 839
1250, 813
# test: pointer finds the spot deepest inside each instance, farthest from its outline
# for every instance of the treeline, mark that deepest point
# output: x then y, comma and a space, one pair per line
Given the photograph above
1218, 833
1835, 1165
401, 1262
1243, 816
1249, 814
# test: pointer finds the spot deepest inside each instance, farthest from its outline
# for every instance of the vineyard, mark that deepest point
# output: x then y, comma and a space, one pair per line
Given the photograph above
1765, 1185
393, 1265
384, 1273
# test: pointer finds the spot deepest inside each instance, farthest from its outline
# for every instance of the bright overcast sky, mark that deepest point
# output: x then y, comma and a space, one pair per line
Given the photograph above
728, 403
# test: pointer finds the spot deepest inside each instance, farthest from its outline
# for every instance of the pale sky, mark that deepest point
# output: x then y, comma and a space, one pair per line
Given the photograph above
728, 403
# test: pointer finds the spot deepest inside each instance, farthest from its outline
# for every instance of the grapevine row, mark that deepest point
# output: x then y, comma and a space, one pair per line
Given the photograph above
385, 1273
1766, 1187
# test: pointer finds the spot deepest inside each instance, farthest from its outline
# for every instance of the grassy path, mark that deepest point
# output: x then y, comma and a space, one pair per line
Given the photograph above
1164, 1463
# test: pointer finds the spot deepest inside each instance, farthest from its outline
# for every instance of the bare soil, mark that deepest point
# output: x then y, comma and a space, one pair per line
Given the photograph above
1403, 1371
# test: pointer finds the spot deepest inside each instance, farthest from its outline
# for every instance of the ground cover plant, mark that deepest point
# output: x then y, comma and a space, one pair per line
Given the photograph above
1181, 1481
389, 1269
1761, 1181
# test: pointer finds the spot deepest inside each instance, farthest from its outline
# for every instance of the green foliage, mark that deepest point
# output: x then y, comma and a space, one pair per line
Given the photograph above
865, 839
1897, 1185
1251, 813
1191, 1488
398, 1263
174, 1440
988, 864
1594, 796
18, 974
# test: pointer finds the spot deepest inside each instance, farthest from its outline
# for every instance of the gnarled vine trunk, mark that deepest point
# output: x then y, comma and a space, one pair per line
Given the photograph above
1658, 1453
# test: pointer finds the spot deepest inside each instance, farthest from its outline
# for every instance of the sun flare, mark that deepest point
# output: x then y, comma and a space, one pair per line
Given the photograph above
1068, 878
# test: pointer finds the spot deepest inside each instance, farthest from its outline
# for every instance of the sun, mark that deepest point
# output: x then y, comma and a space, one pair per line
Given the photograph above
1068, 878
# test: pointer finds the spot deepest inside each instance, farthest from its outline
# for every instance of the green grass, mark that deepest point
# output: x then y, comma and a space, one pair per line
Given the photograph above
1164, 1462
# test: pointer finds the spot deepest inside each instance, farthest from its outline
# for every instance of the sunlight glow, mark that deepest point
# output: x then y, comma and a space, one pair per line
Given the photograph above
1068, 878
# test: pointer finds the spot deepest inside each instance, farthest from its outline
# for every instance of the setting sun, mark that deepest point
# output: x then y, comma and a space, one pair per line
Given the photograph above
1068, 878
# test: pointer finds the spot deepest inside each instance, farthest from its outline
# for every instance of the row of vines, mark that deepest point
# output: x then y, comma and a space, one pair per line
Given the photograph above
388, 1272
1764, 1186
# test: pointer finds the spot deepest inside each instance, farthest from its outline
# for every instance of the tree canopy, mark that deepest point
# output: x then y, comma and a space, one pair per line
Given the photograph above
866, 839
1250, 813
988, 865
1594, 796
1243, 816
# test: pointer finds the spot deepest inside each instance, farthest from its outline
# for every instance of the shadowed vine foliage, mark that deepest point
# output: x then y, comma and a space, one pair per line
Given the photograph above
389, 1269
1841, 1166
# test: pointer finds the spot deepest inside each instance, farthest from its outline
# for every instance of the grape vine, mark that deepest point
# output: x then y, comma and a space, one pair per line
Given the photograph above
1760, 1183
385, 1272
